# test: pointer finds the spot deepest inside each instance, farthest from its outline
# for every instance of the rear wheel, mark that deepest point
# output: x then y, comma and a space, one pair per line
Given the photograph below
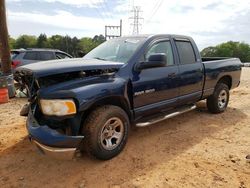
218, 102
106, 132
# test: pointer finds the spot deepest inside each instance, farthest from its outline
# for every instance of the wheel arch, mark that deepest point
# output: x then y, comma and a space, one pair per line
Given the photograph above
110, 100
226, 80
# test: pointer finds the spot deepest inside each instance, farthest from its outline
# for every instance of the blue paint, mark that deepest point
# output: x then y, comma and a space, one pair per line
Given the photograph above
143, 93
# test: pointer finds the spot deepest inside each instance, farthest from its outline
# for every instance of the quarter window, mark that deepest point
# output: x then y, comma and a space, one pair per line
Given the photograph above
162, 47
61, 55
186, 52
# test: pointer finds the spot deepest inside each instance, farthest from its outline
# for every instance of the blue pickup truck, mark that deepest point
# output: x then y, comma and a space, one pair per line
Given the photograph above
89, 104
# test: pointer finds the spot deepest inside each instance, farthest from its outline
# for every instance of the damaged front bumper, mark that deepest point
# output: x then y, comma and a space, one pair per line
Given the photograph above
50, 141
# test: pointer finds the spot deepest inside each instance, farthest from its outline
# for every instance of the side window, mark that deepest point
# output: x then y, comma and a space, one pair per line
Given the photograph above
186, 52
14, 54
46, 56
61, 56
162, 47
31, 56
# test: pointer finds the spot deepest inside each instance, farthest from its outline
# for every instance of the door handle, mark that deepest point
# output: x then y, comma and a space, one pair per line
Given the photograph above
171, 75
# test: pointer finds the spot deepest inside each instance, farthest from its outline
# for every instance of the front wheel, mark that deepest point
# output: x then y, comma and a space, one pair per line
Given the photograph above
106, 132
218, 102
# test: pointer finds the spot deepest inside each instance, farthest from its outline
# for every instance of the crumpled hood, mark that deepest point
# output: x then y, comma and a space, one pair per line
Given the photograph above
47, 68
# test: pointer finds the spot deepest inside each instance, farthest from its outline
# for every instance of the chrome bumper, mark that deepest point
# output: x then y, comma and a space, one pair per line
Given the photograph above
50, 142
57, 153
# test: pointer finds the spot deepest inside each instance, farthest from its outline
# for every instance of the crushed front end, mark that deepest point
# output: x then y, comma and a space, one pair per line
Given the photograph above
53, 133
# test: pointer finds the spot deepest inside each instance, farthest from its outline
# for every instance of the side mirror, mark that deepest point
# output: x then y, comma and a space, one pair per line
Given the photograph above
154, 60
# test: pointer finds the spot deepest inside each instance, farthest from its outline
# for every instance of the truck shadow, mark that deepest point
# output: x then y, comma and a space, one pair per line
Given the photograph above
147, 148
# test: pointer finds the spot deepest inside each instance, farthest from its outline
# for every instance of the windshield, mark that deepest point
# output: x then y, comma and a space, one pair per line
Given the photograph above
117, 50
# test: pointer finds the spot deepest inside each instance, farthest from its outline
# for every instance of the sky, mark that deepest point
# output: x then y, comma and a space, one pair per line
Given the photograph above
209, 22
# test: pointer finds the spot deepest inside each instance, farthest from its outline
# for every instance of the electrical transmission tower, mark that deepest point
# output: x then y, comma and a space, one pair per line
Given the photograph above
136, 19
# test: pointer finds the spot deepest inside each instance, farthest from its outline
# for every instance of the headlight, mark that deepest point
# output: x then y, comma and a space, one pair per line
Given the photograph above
58, 107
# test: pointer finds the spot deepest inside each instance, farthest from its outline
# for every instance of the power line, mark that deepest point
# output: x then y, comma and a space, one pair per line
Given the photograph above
97, 10
104, 10
155, 9
106, 7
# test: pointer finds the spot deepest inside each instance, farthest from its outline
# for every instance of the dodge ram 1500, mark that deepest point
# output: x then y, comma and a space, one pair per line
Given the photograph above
90, 103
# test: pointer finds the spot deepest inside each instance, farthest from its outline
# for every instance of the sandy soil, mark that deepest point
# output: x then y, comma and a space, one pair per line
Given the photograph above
196, 149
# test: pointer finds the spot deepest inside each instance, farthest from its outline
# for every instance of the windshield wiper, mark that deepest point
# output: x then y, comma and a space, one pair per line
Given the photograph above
100, 58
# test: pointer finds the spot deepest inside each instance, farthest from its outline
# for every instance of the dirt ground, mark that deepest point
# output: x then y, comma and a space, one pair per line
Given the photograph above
196, 149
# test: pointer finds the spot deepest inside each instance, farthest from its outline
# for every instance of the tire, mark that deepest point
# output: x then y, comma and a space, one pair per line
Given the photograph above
106, 131
217, 103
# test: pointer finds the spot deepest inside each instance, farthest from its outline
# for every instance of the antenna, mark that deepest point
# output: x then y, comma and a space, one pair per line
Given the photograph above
136, 19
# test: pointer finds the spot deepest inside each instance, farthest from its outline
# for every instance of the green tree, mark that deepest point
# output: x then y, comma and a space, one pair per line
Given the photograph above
229, 49
208, 52
25, 41
86, 44
98, 39
55, 41
74, 46
66, 44
42, 41
12, 42
243, 51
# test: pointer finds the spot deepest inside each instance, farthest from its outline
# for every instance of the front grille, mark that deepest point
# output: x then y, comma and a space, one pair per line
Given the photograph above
27, 81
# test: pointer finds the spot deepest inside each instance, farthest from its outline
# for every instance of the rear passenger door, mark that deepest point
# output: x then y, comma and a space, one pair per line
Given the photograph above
190, 72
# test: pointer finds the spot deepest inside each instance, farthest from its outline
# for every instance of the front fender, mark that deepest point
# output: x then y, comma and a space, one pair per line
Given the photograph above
86, 93
90, 94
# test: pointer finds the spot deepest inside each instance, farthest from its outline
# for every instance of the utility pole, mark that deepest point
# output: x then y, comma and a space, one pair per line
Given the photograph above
113, 31
4, 44
136, 19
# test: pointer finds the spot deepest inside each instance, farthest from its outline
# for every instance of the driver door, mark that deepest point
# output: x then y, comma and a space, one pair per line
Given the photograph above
156, 89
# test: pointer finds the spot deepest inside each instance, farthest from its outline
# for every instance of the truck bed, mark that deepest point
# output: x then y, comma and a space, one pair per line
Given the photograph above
218, 67
205, 59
